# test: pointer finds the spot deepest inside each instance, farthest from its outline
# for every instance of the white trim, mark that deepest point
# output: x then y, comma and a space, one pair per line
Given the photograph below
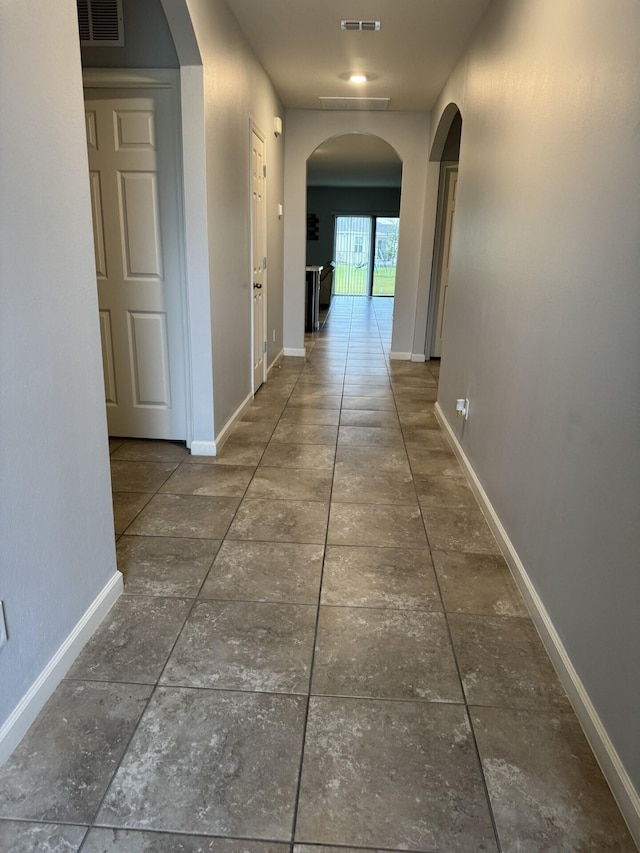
171, 79
225, 432
25, 712
418, 357
123, 78
203, 448
275, 361
605, 752
298, 353
400, 356
255, 128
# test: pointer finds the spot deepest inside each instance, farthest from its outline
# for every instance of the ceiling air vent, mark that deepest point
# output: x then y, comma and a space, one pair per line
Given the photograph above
354, 103
373, 26
100, 23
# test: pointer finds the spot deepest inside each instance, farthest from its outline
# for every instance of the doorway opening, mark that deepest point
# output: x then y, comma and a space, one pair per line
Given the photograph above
447, 151
366, 253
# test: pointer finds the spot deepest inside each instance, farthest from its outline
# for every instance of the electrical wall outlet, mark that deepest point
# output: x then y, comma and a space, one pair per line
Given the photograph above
3, 627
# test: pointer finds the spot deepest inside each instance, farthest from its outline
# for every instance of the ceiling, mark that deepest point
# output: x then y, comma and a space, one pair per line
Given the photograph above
354, 160
308, 56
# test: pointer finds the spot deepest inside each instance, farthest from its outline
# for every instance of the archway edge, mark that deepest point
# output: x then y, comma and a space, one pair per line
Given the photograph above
408, 135
341, 133
442, 130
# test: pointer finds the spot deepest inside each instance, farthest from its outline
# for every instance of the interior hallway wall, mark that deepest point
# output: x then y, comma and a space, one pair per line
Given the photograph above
147, 40
236, 89
57, 549
408, 134
542, 331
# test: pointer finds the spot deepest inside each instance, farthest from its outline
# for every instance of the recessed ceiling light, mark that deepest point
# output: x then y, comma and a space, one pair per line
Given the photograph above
358, 78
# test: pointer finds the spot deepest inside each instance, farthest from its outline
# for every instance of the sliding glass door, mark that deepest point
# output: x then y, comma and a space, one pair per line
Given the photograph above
366, 251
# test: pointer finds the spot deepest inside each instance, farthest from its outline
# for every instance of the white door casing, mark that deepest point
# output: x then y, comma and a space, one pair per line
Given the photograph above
133, 165
448, 214
258, 256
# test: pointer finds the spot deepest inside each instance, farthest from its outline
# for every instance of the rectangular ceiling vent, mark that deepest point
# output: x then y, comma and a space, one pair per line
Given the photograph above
370, 26
355, 103
100, 23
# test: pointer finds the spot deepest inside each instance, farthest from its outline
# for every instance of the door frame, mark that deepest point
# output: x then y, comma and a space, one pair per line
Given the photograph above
255, 128
446, 170
161, 78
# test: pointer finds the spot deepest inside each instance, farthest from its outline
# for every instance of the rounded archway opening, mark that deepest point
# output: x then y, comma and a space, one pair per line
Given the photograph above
353, 215
445, 150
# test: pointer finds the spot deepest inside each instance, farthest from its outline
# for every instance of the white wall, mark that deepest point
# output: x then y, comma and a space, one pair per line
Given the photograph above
236, 89
542, 330
407, 133
56, 525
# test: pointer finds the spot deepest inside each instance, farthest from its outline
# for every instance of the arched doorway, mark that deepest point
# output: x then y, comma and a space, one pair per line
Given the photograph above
353, 211
408, 134
446, 150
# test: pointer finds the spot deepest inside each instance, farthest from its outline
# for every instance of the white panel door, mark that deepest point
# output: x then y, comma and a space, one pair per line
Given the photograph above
134, 194
259, 257
449, 214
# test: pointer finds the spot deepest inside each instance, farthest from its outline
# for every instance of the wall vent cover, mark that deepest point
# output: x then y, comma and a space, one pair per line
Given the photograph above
370, 26
355, 103
100, 23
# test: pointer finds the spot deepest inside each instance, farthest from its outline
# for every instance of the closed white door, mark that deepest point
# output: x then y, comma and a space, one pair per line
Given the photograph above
449, 214
259, 258
134, 193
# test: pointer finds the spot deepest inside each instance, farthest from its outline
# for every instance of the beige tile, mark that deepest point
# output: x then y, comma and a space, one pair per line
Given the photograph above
265, 571
459, 529
126, 506
299, 484
380, 577
503, 663
283, 455
281, 521
139, 477
477, 583
300, 433
370, 436
193, 516
376, 525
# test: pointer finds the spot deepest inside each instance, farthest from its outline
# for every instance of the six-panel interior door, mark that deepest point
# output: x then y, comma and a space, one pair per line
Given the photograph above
134, 194
259, 240
449, 213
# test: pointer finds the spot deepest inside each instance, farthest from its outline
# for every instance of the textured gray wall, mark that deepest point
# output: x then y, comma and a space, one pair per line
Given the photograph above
542, 331
56, 523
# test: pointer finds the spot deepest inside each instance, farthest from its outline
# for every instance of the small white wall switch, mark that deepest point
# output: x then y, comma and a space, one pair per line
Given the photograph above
3, 627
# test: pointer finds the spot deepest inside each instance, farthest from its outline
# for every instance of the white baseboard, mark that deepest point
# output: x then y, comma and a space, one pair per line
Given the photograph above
400, 356
605, 752
25, 712
226, 430
203, 448
418, 357
299, 353
274, 363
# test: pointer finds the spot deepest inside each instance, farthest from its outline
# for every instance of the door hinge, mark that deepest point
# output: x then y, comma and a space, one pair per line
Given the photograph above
264, 263
264, 347
264, 171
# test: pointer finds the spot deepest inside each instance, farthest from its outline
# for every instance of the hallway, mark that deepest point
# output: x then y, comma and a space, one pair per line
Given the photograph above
318, 643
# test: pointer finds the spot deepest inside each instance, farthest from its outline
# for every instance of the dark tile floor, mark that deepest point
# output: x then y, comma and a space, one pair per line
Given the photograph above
319, 646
